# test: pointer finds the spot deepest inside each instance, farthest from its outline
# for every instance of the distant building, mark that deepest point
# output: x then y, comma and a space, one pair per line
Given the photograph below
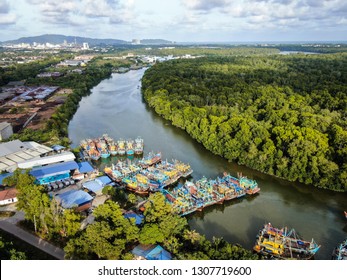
6, 131
135, 42
85, 46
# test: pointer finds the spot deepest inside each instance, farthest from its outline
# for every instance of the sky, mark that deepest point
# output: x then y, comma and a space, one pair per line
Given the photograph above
178, 20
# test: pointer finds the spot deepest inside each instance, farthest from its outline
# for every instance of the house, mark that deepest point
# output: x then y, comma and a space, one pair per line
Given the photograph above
151, 252
8, 196
6, 130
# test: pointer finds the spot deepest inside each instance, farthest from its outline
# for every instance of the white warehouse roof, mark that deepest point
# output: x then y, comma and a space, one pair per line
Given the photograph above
63, 157
16, 151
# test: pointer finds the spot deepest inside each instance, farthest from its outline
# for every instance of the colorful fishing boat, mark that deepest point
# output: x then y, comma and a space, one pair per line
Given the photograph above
150, 159
222, 188
111, 144
345, 212
137, 184
138, 146
340, 252
103, 148
92, 150
233, 183
250, 186
121, 147
283, 244
114, 174
179, 205
129, 147
183, 168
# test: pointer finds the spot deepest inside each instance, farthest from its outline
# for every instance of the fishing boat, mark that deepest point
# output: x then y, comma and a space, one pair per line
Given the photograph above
183, 168
138, 146
92, 150
340, 252
222, 188
137, 184
121, 147
250, 186
180, 206
103, 148
114, 174
129, 147
283, 244
150, 159
111, 144
233, 184
345, 212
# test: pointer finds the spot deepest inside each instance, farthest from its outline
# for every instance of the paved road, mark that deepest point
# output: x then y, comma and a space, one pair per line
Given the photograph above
10, 225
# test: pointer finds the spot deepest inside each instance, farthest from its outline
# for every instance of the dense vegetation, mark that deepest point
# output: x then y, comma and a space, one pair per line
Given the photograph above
282, 115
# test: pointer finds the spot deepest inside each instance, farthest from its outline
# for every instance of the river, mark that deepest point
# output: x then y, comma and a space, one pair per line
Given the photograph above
116, 107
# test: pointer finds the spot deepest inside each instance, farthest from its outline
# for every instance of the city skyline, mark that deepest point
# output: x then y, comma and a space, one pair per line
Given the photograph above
180, 21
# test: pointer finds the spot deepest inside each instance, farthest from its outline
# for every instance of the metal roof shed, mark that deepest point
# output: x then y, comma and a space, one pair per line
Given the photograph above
85, 167
74, 198
103, 180
54, 169
93, 186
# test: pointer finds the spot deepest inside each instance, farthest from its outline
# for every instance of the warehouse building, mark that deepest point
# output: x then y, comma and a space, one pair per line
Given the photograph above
16, 151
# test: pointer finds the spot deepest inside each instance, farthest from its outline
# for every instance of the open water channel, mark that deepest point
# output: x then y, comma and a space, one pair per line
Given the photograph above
116, 107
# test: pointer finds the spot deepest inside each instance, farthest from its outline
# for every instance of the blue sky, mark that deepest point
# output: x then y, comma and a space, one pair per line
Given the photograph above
178, 20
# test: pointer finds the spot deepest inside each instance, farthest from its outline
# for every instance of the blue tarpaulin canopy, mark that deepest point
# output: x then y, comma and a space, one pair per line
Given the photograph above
92, 186
53, 169
103, 180
85, 167
74, 198
138, 218
152, 252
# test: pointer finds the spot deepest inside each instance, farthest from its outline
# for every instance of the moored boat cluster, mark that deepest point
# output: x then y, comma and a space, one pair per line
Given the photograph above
191, 197
283, 244
149, 174
106, 146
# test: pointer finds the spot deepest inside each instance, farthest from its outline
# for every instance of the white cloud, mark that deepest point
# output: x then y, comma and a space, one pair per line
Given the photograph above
6, 17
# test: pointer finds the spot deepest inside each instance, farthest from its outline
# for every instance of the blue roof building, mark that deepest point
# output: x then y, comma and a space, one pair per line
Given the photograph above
74, 198
103, 180
152, 252
54, 169
93, 186
85, 167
